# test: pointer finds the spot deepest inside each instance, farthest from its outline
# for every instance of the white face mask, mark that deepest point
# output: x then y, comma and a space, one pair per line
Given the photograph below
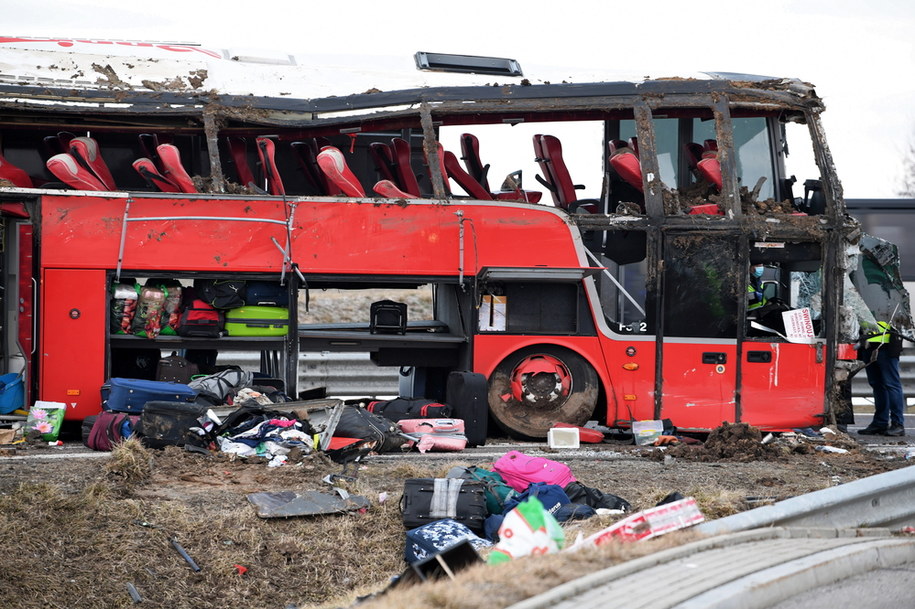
757, 271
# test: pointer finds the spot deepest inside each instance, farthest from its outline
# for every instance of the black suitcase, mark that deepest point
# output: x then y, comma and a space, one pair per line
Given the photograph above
388, 317
409, 408
175, 369
169, 424
426, 500
468, 395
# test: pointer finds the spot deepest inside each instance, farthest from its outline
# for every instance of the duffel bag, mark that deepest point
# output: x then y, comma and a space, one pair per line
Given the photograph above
216, 389
109, 428
426, 500
358, 423
221, 293
409, 408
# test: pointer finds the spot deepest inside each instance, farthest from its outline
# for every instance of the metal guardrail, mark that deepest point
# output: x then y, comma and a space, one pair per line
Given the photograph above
884, 500
860, 388
342, 374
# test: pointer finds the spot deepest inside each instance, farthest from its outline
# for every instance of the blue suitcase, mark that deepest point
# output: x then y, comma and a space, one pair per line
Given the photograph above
130, 395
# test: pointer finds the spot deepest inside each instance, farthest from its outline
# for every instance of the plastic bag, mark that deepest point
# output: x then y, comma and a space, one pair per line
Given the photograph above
45, 418
527, 530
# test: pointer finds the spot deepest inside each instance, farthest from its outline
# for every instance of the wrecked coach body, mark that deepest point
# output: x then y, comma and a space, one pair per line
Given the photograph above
621, 300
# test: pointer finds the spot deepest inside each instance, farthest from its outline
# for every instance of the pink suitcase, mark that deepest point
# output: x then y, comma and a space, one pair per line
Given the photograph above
435, 434
520, 470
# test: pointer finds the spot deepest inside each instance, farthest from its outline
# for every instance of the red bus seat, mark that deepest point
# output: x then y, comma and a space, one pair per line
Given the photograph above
383, 158
238, 151
466, 181
616, 145
470, 154
634, 144
548, 150
67, 170
389, 190
333, 164
173, 170
306, 154
693, 153
86, 152
14, 174
266, 152
710, 170
406, 179
441, 168
628, 167
146, 168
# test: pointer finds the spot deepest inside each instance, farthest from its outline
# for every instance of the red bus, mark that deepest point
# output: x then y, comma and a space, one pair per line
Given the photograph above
622, 300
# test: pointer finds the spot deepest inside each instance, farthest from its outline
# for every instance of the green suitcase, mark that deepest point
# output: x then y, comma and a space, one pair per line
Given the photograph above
257, 321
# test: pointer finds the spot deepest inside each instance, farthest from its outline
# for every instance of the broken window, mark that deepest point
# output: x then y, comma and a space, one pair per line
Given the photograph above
792, 281
622, 285
702, 286
507, 150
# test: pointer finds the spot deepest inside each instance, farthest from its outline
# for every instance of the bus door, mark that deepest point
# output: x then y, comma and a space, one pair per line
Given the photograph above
700, 297
72, 339
783, 358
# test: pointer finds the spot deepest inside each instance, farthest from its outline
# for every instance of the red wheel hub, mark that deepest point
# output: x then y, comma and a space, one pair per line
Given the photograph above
541, 381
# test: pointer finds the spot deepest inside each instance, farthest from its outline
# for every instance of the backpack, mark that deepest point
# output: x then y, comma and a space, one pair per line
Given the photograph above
110, 428
550, 495
520, 470
221, 293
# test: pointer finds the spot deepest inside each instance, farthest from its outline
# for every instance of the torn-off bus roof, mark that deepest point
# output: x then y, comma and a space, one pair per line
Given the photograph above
105, 75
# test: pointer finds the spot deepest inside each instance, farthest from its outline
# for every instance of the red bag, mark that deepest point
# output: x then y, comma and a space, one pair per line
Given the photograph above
520, 470
201, 319
111, 428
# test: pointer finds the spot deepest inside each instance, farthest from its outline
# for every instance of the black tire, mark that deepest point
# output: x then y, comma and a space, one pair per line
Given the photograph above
538, 386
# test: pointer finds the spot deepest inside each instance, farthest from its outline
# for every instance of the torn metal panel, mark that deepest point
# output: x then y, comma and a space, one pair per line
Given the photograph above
284, 504
878, 285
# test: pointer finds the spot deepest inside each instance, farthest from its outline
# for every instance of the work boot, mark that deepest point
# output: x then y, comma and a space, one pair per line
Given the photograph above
895, 431
872, 430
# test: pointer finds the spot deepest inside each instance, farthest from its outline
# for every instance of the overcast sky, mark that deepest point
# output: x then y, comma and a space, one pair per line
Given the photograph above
860, 56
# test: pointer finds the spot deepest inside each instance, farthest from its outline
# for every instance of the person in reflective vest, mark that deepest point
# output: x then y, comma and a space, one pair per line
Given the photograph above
880, 352
755, 297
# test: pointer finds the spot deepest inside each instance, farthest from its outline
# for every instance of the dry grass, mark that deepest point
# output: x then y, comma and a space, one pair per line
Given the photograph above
74, 534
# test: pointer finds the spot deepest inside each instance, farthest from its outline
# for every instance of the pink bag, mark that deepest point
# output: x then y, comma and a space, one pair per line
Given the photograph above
435, 434
520, 470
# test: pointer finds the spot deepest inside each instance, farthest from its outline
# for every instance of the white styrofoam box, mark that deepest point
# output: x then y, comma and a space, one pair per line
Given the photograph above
562, 437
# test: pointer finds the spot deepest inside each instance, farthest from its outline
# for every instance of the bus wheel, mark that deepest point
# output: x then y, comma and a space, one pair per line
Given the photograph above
536, 387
